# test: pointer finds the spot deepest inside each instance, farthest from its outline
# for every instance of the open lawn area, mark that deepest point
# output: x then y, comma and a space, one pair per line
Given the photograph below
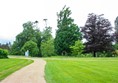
81, 70
8, 66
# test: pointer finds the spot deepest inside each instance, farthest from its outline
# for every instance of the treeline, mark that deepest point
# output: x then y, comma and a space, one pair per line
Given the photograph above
31, 38
5, 46
96, 38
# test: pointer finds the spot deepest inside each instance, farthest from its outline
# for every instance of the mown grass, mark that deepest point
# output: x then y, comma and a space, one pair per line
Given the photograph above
8, 66
82, 70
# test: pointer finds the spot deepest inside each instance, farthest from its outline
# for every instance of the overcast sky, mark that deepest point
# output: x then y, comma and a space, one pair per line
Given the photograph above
13, 13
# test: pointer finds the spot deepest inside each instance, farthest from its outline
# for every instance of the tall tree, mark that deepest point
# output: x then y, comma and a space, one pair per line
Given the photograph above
30, 32
97, 32
116, 30
47, 43
47, 47
46, 34
67, 32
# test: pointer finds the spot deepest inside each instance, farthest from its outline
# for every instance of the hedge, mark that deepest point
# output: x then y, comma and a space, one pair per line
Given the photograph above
3, 53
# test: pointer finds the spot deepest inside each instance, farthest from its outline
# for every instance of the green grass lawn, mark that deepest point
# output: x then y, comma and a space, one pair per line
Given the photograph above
82, 70
8, 66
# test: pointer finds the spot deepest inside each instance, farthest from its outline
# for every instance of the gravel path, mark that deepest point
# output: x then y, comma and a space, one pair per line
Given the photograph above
33, 73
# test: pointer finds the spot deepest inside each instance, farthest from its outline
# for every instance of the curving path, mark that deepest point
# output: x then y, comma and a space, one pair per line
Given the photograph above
33, 73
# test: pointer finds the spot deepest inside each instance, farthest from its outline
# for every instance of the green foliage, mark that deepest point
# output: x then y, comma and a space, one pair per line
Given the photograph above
109, 54
81, 70
46, 34
15, 49
5, 46
115, 52
67, 32
115, 46
8, 66
102, 54
47, 43
32, 47
77, 49
87, 55
3, 53
29, 33
47, 48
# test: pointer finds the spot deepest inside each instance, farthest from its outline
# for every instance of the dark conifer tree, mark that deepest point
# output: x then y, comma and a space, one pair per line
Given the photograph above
67, 32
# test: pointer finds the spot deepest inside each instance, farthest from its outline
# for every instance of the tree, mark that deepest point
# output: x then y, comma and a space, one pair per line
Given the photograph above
15, 49
116, 30
47, 43
67, 32
30, 32
77, 48
5, 46
97, 32
47, 48
46, 34
32, 47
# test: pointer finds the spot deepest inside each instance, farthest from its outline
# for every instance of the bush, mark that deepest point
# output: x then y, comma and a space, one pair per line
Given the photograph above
77, 48
32, 47
85, 55
47, 48
115, 53
104, 54
3, 53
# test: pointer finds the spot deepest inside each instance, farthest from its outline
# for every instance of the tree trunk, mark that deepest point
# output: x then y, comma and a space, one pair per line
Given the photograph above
94, 54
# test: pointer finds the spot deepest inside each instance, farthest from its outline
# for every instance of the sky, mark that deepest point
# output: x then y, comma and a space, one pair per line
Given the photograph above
13, 13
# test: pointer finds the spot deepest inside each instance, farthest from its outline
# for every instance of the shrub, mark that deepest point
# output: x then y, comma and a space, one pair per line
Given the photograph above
85, 55
3, 53
47, 48
105, 54
77, 49
32, 47
115, 53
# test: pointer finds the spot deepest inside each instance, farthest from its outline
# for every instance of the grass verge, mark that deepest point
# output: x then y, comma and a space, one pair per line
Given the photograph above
8, 66
82, 70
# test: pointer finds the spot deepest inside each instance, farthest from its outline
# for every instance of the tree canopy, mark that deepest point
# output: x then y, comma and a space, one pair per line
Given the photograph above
116, 30
29, 33
97, 32
32, 47
67, 32
47, 43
